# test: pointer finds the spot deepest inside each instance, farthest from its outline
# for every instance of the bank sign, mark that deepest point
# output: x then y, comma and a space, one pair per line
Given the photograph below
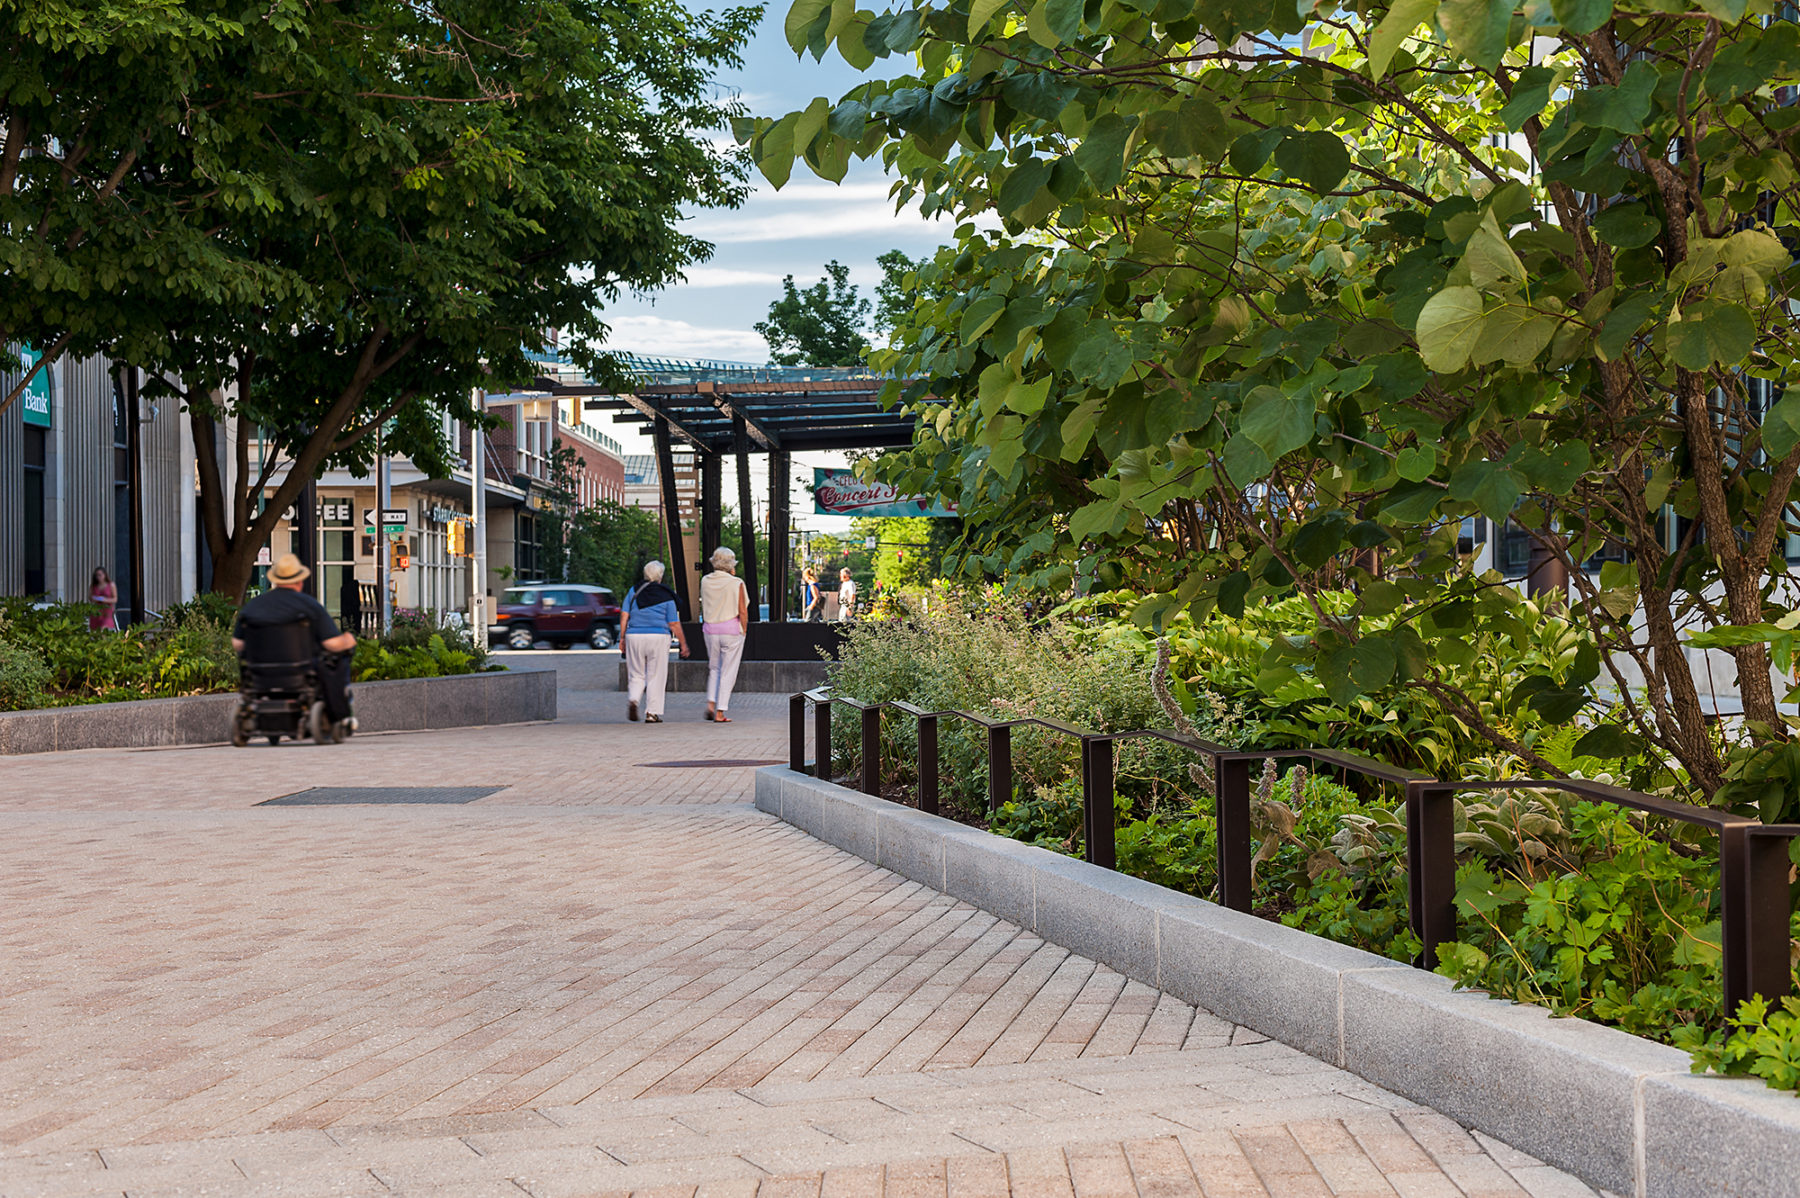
841, 493
36, 400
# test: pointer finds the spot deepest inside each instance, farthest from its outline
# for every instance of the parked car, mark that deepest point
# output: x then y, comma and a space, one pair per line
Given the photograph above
563, 614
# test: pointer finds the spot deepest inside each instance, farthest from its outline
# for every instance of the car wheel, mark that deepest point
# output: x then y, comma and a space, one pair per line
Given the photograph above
519, 637
600, 637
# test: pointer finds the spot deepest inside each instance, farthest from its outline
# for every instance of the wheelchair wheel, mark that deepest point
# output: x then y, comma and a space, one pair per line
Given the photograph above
274, 738
318, 726
242, 725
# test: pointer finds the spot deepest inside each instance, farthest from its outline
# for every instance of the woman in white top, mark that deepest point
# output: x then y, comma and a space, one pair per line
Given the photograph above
725, 612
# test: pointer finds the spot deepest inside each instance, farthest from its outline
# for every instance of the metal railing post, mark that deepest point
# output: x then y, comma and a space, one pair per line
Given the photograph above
871, 751
1767, 970
1431, 867
822, 740
1097, 801
1000, 772
797, 733
928, 764
1231, 819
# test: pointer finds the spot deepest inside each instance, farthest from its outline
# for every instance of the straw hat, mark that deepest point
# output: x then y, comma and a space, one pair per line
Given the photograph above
288, 570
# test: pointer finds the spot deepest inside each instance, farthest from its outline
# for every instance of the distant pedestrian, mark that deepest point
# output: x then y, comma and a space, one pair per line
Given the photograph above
646, 622
725, 608
350, 603
812, 596
846, 594
105, 596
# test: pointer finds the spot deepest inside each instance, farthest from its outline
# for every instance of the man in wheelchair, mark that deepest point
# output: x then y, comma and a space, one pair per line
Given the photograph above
294, 664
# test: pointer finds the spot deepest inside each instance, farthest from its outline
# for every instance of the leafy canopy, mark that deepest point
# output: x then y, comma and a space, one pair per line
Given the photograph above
1281, 299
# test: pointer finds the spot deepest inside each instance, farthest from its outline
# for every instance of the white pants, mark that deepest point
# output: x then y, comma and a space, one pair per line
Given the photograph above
723, 652
647, 670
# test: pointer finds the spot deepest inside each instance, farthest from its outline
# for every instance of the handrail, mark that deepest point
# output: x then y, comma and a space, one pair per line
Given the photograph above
1753, 856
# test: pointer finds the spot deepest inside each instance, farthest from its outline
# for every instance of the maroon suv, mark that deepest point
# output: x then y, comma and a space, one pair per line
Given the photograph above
563, 613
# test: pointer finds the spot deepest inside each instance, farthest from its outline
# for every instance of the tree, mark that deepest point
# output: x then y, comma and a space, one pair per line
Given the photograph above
1281, 299
820, 326
401, 199
894, 296
609, 542
90, 258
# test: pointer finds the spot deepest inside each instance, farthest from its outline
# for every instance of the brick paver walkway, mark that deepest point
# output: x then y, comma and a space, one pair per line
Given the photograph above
608, 977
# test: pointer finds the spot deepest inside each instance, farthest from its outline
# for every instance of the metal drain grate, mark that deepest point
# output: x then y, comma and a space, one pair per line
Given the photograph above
326, 796
708, 763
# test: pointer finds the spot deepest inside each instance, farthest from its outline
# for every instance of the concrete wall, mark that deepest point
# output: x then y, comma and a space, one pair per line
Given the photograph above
406, 705
1623, 1113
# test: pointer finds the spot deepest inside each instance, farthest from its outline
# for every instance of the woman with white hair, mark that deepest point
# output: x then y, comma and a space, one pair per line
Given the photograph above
646, 622
725, 608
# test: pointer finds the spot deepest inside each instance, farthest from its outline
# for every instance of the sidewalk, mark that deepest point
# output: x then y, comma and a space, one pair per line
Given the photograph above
612, 975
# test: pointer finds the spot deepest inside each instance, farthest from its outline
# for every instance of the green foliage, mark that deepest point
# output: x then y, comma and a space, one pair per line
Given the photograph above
416, 652
25, 676
54, 659
820, 326
1265, 301
1760, 1043
1628, 936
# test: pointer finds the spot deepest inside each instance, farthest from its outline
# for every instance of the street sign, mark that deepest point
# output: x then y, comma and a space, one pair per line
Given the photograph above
393, 521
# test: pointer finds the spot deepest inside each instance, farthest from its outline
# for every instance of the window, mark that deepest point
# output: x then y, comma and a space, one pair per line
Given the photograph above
337, 549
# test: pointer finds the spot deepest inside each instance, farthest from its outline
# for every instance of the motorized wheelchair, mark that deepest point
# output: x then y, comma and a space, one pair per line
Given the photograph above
280, 690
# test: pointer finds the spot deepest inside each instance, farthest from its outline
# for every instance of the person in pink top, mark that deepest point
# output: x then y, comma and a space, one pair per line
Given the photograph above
104, 595
725, 610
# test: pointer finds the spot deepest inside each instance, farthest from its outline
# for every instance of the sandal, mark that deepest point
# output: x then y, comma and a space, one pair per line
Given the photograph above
652, 719
631, 712
721, 718
711, 714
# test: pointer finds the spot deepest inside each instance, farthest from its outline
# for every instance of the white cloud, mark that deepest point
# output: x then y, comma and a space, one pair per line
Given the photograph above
810, 224
724, 276
655, 337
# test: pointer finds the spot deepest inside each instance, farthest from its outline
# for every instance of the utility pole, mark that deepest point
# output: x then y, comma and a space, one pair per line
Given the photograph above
134, 474
478, 615
384, 553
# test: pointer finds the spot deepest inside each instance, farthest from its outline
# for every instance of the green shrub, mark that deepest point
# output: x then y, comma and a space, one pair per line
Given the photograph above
1761, 1043
25, 677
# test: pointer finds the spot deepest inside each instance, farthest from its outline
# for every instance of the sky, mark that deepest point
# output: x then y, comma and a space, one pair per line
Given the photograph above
796, 231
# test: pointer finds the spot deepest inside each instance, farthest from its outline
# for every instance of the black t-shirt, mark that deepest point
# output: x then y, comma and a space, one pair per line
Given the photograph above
279, 605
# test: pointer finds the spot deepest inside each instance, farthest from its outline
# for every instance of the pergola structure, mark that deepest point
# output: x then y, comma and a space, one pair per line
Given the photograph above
718, 408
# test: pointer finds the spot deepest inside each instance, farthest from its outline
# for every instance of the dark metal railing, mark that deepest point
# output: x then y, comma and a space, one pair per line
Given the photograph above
1755, 909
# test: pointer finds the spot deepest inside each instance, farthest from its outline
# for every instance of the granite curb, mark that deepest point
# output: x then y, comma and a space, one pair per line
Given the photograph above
1621, 1112
402, 705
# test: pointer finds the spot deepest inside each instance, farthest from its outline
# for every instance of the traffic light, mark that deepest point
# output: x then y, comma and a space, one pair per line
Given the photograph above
459, 538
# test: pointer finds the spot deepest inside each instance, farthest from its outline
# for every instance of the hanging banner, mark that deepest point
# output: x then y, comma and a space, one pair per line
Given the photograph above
841, 493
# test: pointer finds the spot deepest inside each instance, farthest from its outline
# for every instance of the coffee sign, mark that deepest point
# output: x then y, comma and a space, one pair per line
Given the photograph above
841, 493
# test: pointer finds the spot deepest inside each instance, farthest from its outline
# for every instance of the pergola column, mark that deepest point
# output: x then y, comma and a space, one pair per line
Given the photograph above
780, 555
746, 514
712, 467
671, 501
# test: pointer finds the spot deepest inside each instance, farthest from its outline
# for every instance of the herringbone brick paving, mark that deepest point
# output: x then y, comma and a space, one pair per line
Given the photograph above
603, 979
